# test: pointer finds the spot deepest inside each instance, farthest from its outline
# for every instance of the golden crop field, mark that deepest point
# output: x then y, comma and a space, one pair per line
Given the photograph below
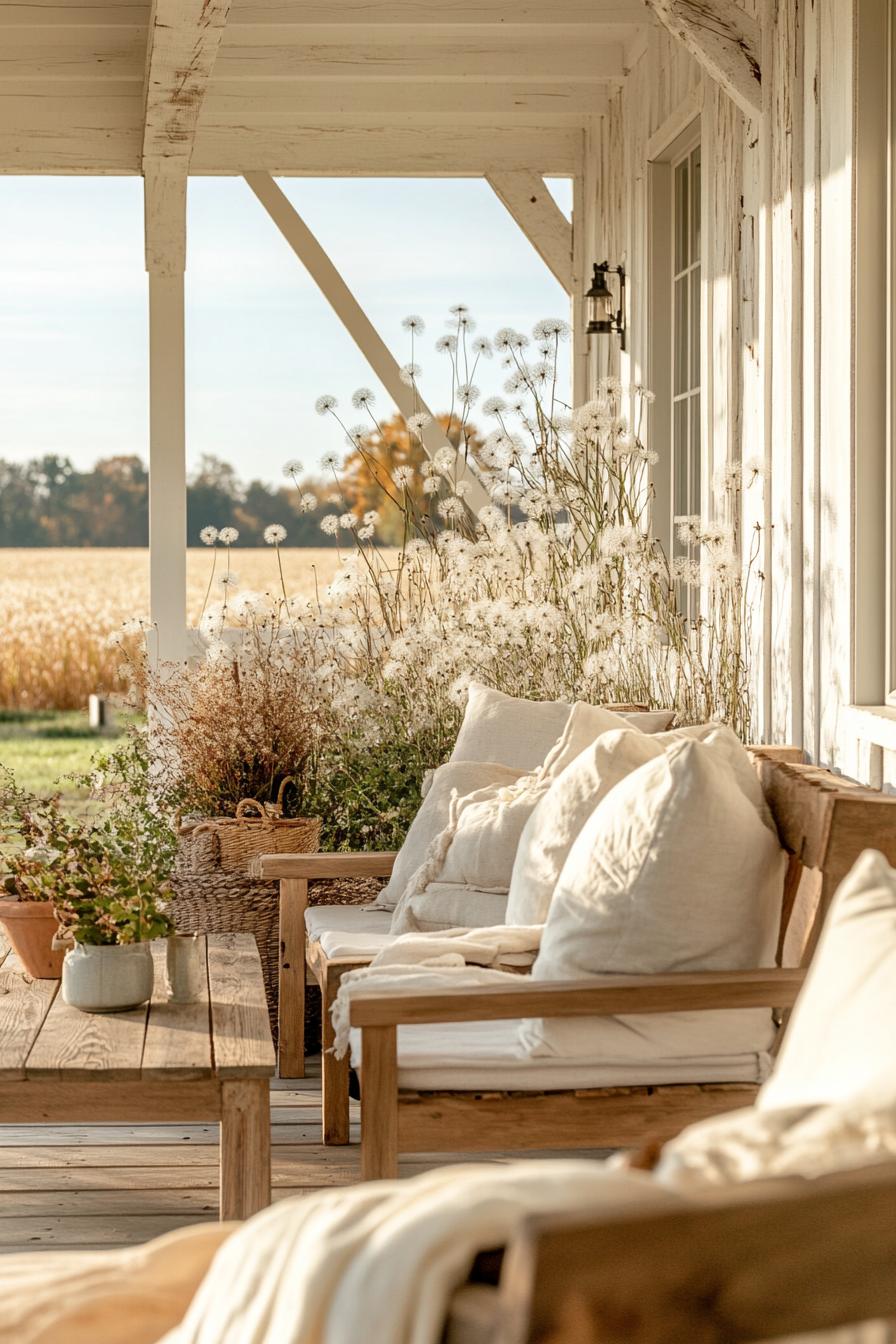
58, 608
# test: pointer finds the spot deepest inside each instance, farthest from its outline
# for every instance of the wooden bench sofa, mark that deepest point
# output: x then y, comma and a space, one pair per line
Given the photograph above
824, 820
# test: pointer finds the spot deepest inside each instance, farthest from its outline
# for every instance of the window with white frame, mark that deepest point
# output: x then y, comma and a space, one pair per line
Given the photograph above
685, 339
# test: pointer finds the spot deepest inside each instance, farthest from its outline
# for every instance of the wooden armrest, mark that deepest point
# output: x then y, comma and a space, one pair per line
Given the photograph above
604, 996
706, 1272
273, 866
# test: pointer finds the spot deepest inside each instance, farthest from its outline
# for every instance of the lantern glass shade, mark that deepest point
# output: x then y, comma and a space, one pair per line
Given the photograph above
601, 304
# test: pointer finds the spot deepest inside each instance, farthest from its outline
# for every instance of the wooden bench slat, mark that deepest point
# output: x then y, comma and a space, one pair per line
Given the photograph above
24, 1003
241, 1033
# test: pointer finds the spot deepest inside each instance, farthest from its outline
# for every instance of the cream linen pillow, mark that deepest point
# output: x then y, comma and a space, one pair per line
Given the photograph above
444, 906
579, 787
840, 1038
477, 847
516, 733
673, 871
455, 779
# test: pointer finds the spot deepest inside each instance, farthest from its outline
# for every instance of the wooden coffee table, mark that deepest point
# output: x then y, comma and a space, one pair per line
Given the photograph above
165, 1062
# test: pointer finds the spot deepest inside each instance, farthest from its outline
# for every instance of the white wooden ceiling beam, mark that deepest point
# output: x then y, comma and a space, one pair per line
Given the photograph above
589, 55
724, 39
387, 150
182, 46
531, 205
356, 322
443, 12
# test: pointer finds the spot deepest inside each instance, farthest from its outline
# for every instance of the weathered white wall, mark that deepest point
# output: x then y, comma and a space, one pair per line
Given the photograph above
779, 344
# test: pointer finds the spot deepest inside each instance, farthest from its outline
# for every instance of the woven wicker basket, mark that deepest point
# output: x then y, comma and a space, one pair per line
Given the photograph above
212, 898
260, 829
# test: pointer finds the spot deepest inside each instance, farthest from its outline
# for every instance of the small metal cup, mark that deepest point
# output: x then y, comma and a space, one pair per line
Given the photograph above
186, 968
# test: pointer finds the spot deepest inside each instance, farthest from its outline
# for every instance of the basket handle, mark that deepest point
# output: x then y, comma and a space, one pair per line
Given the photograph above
243, 809
287, 779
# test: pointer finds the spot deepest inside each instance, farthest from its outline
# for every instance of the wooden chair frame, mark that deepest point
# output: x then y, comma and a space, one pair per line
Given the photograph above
824, 821
702, 1273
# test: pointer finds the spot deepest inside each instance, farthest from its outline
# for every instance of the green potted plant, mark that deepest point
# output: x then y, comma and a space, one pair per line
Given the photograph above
28, 914
104, 883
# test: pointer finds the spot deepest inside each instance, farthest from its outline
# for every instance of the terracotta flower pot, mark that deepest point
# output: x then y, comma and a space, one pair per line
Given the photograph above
31, 926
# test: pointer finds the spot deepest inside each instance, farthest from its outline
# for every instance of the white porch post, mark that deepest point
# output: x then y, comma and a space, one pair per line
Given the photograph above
167, 464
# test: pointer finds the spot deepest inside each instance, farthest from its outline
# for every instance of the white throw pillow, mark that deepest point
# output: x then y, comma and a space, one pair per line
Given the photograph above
673, 871
840, 1038
443, 906
585, 725
455, 779
578, 789
516, 733
476, 847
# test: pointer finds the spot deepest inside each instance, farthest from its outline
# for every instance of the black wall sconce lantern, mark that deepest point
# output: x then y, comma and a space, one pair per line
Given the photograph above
605, 317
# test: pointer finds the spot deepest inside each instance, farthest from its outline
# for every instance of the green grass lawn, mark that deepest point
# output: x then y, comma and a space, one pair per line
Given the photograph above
42, 748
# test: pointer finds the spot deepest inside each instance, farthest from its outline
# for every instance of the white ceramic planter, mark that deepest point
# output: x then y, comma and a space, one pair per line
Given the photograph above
107, 979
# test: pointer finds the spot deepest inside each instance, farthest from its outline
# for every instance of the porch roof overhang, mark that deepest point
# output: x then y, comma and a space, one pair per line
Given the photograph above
308, 87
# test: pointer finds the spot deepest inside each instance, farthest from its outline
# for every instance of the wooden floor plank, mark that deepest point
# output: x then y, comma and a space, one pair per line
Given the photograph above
86, 1186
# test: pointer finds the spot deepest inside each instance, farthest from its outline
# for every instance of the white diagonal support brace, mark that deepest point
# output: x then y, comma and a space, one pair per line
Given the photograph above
356, 322
528, 201
724, 39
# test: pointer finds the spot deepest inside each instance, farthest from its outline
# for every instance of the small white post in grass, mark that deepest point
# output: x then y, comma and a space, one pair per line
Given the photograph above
100, 716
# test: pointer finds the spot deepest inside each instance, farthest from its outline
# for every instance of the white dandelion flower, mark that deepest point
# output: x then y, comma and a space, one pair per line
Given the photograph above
408, 373
459, 309
414, 323
551, 329
229, 582
482, 346
292, 468
431, 485
208, 536
494, 405
505, 493
417, 423
348, 521
274, 534
444, 459
755, 468
371, 518
717, 534
362, 398
325, 404
331, 460
687, 527
446, 344
329, 524
366, 531
402, 477
307, 503
452, 507
463, 488
507, 339
467, 393
228, 536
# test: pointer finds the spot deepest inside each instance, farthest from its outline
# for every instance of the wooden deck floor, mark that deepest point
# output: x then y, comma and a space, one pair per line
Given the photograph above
116, 1185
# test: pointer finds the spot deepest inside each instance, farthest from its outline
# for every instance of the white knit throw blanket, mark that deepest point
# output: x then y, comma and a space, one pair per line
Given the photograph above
380, 1261
456, 959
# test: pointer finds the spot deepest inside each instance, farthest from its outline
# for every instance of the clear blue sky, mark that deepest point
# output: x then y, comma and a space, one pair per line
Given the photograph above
262, 343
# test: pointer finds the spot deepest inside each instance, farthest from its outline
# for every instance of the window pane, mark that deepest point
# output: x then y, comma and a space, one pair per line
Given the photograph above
680, 445
695, 205
694, 379
681, 216
695, 456
681, 336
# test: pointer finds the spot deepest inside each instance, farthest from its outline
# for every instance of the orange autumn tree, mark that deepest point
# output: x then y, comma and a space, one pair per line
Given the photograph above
367, 478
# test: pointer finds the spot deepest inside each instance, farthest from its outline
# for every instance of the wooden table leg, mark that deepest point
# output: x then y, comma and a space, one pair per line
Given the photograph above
245, 1147
379, 1103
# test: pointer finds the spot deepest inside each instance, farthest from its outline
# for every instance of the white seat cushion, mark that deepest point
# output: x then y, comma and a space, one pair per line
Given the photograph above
348, 930
476, 1056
